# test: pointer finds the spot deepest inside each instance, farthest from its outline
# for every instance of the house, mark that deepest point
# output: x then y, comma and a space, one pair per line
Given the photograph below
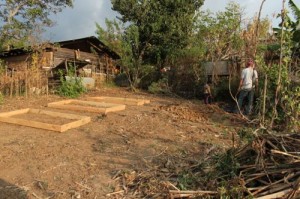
88, 55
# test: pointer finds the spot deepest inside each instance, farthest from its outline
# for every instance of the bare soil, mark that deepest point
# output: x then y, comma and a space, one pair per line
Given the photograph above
81, 162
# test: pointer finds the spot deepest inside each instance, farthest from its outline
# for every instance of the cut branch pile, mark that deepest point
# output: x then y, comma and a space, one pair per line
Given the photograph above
270, 166
266, 168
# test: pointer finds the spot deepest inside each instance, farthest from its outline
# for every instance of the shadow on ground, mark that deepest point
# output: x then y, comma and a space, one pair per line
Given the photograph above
10, 191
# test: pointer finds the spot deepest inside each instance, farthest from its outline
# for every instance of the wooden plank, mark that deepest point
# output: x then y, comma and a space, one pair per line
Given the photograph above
96, 104
78, 108
75, 124
90, 106
61, 102
80, 120
146, 101
29, 123
12, 113
120, 100
278, 194
56, 114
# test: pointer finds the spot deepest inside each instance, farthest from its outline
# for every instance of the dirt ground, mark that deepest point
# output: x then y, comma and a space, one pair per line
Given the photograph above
81, 162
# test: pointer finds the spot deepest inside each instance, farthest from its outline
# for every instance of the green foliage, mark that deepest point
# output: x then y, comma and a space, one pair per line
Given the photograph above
25, 18
159, 87
227, 164
295, 25
246, 135
2, 67
112, 36
291, 107
186, 180
154, 31
127, 42
165, 25
122, 80
211, 43
282, 96
220, 33
110, 84
1, 98
221, 89
71, 87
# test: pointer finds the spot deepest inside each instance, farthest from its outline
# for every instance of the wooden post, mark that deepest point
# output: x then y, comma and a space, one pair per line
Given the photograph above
11, 84
47, 84
17, 85
66, 65
98, 79
106, 62
100, 68
26, 82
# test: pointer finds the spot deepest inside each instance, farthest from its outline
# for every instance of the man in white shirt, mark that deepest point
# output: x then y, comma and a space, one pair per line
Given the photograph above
248, 82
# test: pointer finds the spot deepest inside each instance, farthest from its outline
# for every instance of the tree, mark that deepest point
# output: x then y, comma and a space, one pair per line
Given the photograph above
295, 25
112, 35
220, 33
20, 18
125, 41
154, 31
164, 26
280, 97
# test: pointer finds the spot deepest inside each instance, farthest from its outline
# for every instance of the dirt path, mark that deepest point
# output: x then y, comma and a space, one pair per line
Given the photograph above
81, 162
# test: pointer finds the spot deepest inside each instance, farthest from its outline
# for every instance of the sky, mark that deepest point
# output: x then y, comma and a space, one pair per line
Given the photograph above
79, 21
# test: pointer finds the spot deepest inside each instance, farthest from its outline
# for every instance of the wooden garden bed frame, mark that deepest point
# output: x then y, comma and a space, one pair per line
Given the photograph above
80, 105
80, 120
120, 100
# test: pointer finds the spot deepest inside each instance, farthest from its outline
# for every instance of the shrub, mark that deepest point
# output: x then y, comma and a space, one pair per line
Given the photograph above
122, 80
159, 87
221, 90
71, 87
1, 98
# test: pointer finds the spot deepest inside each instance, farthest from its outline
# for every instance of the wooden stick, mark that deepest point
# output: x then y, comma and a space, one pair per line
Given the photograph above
283, 153
115, 193
173, 186
192, 192
86, 187
277, 195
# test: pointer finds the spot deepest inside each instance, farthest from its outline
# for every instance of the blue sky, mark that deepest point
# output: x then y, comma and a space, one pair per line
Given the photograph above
79, 21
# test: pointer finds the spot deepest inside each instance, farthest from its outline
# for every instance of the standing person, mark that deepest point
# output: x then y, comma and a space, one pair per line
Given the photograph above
248, 81
207, 94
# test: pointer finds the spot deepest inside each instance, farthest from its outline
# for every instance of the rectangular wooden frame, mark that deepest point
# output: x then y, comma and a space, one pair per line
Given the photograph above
80, 105
120, 100
80, 120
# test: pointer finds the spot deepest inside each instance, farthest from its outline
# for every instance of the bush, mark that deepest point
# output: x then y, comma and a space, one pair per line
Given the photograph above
1, 98
159, 87
72, 87
227, 164
221, 90
122, 80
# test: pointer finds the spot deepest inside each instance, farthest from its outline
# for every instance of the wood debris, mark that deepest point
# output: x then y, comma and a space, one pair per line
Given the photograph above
270, 166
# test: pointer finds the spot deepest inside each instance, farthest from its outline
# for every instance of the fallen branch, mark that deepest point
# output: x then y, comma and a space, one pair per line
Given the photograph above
179, 194
114, 193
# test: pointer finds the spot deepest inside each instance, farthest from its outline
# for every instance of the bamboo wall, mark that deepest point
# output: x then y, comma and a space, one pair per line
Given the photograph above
23, 75
27, 83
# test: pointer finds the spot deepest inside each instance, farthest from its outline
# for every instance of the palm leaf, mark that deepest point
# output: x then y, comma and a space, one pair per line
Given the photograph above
295, 9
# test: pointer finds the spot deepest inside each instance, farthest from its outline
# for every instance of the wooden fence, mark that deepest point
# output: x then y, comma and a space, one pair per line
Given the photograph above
26, 83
